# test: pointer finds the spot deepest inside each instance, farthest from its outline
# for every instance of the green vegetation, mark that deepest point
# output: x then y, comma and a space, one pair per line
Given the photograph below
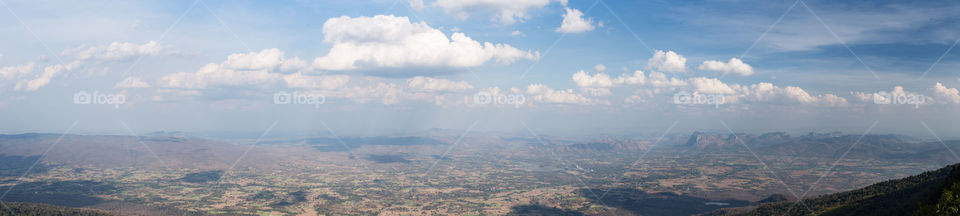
947, 204
930, 193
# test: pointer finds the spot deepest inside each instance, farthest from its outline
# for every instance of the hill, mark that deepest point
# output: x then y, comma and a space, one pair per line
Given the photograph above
930, 193
606, 144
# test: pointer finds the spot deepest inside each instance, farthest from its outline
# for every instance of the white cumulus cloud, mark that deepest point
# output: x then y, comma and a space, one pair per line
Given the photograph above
667, 62
240, 69
938, 94
582, 79
733, 66
760, 93
369, 43
595, 85
573, 22
658, 79
635, 78
946, 95
769, 93
710, 86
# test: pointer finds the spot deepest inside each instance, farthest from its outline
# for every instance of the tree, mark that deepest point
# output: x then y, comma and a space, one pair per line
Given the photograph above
949, 203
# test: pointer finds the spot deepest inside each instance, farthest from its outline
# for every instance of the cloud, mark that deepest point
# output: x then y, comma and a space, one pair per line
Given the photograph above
298, 80
863, 96
658, 79
939, 93
658, 83
769, 93
667, 62
169, 95
887, 22
710, 86
545, 94
573, 22
265, 59
734, 66
240, 69
506, 12
518, 33
361, 90
642, 96
13, 72
597, 92
871, 96
215, 75
131, 82
49, 72
945, 95
899, 23
635, 78
416, 5
379, 42
116, 51
599, 68
760, 93
428, 84
595, 85
582, 79
385, 93
599, 84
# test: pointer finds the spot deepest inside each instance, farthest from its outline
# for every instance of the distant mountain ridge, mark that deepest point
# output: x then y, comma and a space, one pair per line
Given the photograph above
828, 145
606, 144
702, 140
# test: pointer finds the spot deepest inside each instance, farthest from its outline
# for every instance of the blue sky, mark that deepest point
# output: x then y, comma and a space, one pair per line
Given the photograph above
383, 67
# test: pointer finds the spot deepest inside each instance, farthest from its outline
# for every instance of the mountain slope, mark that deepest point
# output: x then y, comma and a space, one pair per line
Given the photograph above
894, 197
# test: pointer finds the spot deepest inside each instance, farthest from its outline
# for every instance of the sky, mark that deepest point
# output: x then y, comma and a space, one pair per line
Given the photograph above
557, 68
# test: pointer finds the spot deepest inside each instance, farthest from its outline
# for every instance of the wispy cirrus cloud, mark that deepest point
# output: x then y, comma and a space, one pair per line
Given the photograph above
116, 51
503, 11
